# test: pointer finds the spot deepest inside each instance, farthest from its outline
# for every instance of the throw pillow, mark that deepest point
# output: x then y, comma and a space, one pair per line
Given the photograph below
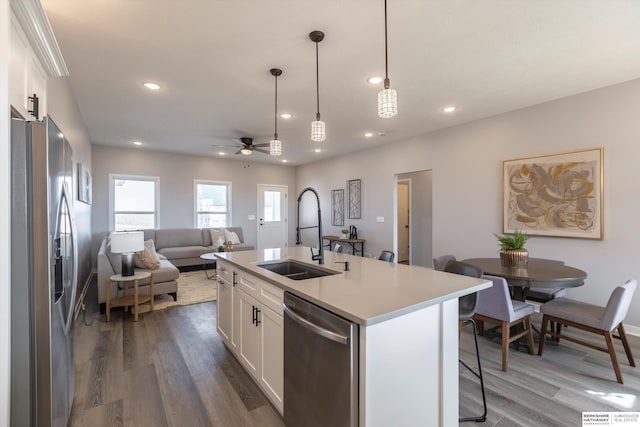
231, 236
216, 235
147, 258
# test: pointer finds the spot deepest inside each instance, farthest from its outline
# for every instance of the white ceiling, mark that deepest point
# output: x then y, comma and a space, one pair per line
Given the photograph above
212, 60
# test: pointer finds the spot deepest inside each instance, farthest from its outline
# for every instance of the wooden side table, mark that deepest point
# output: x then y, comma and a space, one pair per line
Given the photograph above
129, 300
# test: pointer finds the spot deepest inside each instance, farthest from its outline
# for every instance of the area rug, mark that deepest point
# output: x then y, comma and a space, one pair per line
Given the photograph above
193, 288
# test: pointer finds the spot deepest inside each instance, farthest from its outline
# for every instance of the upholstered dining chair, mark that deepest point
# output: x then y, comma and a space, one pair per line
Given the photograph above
386, 255
495, 306
439, 263
466, 309
592, 318
337, 248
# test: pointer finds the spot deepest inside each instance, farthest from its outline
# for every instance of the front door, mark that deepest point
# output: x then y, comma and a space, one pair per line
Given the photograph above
272, 216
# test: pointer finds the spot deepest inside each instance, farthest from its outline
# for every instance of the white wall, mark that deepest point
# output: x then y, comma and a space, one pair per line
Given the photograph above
5, 229
177, 173
467, 160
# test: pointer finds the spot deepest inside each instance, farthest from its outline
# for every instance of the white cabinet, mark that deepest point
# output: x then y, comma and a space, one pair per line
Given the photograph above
225, 310
26, 74
261, 334
272, 369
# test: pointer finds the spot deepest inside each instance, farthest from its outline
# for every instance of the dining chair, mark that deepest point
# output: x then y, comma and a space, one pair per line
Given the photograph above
439, 263
466, 309
592, 318
495, 306
337, 248
386, 255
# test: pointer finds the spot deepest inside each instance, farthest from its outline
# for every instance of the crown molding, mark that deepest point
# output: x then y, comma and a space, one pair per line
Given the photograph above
36, 26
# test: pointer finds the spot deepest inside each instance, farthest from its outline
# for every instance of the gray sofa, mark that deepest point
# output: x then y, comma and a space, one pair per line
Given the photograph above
176, 247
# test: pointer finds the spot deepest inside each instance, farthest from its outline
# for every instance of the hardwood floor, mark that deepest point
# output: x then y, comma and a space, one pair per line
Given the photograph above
171, 369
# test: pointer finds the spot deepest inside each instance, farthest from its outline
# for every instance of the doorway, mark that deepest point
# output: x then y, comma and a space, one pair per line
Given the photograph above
404, 221
272, 216
413, 218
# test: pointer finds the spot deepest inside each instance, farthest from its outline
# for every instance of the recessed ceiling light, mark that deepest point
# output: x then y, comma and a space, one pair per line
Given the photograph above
375, 80
285, 115
368, 134
317, 150
137, 143
222, 153
284, 160
152, 86
448, 109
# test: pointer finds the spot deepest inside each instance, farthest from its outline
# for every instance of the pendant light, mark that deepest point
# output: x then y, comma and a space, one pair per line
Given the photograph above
318, 133
275, 145
387, 98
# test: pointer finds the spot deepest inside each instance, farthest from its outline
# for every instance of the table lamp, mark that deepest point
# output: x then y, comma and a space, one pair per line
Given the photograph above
127, 243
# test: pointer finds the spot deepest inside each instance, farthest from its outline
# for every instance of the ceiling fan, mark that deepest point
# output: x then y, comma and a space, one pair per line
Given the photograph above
247, 146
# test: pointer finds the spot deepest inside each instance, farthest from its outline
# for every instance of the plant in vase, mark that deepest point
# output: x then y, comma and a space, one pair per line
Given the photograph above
512, 251
345, 233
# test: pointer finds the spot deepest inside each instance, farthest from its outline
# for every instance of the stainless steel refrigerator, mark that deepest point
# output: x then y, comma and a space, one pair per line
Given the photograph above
43, 275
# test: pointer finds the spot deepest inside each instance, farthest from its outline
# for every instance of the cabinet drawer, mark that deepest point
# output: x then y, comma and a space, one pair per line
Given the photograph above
248, 283
224, 271
271, 296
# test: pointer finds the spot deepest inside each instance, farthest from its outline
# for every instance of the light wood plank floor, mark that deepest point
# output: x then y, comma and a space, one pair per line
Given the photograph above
171, 369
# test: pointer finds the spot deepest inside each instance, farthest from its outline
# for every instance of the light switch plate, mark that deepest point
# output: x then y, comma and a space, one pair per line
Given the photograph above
252, 217
379, 219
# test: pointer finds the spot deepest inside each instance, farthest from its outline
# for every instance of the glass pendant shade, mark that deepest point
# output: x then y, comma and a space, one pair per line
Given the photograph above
387, 103
275, 147
318, 133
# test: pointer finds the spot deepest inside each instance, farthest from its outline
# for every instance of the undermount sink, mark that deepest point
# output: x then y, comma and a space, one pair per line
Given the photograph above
296, 270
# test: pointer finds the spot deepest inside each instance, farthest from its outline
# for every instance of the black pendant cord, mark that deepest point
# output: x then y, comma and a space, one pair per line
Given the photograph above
318, 85
386, 55
275, 113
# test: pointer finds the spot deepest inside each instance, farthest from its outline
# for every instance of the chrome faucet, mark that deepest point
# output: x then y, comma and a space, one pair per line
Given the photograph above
320, 255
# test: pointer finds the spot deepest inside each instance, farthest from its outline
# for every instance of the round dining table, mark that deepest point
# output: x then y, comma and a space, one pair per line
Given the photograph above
538, 273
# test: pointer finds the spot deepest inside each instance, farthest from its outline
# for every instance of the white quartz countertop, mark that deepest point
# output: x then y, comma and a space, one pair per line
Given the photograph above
371, 292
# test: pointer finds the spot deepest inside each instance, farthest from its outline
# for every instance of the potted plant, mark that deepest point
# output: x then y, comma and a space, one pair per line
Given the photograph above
512, 251
345, 233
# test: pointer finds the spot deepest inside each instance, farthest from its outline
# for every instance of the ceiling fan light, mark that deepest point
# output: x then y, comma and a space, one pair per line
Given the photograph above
246, 151
318, 133
387, 103
275, 147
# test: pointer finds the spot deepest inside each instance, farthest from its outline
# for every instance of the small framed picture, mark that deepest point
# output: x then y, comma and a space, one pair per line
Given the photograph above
84, 184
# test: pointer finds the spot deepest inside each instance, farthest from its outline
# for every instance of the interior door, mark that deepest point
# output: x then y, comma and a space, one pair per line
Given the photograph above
403, 221
272, 216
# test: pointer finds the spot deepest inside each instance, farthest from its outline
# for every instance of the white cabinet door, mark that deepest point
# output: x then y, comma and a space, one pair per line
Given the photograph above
272, 338
249, 334
225, 311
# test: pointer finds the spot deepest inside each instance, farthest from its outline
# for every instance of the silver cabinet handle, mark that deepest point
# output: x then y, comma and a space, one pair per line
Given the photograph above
341, 339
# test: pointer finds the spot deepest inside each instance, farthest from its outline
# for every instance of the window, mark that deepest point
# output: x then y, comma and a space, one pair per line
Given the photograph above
213, 204
133, 202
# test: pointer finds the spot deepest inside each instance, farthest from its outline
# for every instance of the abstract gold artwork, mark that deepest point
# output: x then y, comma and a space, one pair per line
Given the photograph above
557, 195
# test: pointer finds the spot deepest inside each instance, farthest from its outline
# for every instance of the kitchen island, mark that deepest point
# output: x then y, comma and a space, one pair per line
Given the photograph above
407, 321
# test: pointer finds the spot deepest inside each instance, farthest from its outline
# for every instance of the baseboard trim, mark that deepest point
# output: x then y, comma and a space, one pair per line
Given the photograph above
632, 330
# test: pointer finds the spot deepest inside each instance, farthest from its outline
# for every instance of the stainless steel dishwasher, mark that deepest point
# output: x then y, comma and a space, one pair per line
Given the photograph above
320, 366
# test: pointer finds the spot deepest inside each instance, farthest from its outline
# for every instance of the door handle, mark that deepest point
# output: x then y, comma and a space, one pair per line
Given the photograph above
261, 221
341, 339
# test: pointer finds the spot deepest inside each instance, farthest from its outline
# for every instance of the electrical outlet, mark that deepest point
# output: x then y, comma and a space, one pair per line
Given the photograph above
252, 217
379, 219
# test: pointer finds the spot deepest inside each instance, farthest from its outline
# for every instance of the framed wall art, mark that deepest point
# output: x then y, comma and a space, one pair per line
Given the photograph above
84, 184
558, 195
337, 207
353, 195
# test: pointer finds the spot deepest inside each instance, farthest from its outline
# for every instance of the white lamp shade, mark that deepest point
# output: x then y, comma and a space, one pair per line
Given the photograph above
127, 242
318, 133
275, 147
387, 103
